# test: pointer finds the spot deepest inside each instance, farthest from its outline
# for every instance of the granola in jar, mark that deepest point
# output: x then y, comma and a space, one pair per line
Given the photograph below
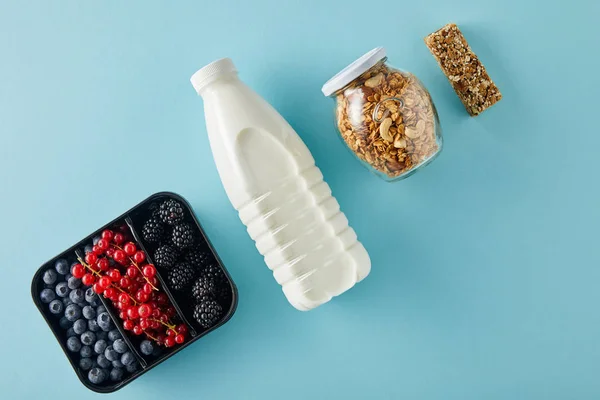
385, 116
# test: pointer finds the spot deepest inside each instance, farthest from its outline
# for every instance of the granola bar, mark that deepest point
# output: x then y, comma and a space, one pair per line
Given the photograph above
463, 69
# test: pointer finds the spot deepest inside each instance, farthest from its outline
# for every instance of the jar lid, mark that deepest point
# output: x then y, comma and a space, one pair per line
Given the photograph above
353, 71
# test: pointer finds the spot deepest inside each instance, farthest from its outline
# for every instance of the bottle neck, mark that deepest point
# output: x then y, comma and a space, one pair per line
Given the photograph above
229, 78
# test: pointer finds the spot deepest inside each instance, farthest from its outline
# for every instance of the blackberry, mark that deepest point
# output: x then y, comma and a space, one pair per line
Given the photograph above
183, 236
207, 312
165, 256
199, 257
153, 230
171, 212
204, 286
181, 276
154, 209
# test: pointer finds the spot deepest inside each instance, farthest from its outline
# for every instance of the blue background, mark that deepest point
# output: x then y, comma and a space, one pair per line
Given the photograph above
485, 264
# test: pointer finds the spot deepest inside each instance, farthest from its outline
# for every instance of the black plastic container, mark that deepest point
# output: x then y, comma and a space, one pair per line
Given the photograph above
133, 219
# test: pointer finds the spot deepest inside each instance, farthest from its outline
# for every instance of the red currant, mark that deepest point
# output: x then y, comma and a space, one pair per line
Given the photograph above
139, 257
153, 281
147, 288
137, 330
119, 256
124, 298
119, 238
128, 324
149, 270
88, 279
125, 282
144, 311
107, 234
132, 312
156, 313
179, 338
78, 271
155, 324
144, 323
170, 312
110, 292
160, 338
104, 282
103, 264
103, 244
171, 332
163, 318
162, 298
169, 341
122, 315
114, 275
110, 252
132, 271
97, 288
96, 250
130, 248
181, 328
91, 258
141, 296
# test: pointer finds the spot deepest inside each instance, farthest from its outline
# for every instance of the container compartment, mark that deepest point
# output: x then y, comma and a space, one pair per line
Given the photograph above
197, 259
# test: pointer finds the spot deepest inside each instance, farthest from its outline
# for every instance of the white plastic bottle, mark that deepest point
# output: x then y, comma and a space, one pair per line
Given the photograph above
271, 179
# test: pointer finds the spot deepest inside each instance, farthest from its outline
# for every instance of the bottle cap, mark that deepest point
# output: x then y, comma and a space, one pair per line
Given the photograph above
212, 71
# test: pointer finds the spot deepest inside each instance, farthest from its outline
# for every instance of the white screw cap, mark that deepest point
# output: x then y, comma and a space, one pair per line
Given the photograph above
353, 71
211, 72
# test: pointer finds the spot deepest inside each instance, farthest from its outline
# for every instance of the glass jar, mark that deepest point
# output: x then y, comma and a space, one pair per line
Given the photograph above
385, 116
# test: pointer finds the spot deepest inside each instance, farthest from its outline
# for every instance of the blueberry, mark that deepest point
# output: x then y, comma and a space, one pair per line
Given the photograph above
62, 266
95, 239
71, 333
50, 277
146, 347
85, 363
101, 335
64, 323
114, 335
77, 296
101, 309
47, 295
117, 364
73, 312
103, 361
132, 367
127, 358
73, 344
100, 346
97, 375
89, 312
80, 326
111, 354
104, 321
88, 338
67, 301
120, 346
93, 325
116, 374
90, 295
56, 306
88, 248
62, 289
86, 351
73, 283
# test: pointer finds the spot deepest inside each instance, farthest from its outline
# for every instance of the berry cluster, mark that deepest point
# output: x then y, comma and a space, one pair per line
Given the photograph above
91, 338
116, 269
191, 269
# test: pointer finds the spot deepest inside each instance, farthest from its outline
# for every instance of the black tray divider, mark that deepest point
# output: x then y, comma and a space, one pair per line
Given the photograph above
116, 321
164, 287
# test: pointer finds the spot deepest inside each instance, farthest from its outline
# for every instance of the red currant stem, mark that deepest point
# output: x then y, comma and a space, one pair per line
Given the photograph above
88, 267
151, 337
135, 303
172, 327
137, 266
